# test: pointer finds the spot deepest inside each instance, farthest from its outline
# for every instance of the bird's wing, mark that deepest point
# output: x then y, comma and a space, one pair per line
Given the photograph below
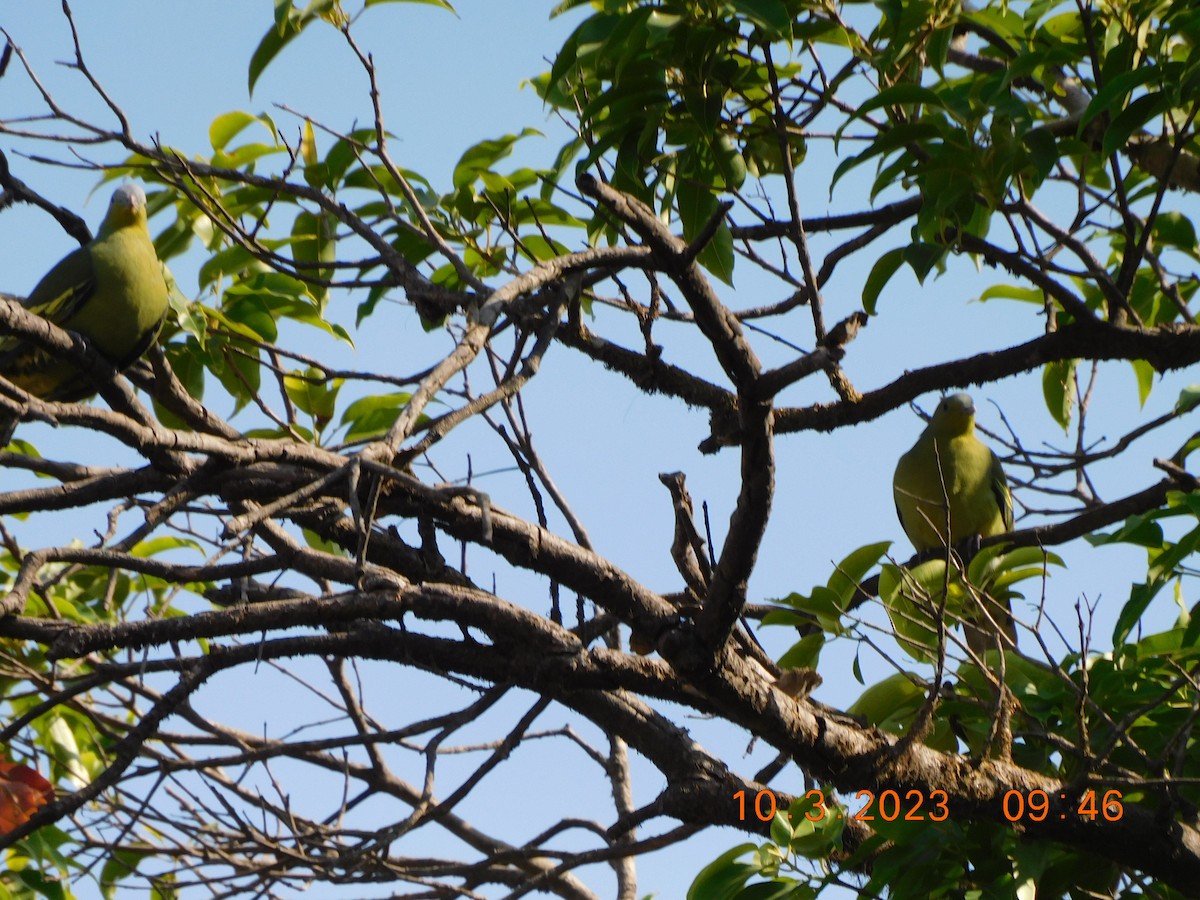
57, 297
1001, 491
66, 287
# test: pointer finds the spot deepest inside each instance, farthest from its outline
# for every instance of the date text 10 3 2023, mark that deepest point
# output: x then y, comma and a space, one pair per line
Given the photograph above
919, 806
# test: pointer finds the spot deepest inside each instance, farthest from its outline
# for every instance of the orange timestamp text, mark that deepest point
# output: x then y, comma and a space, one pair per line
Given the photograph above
1034, 806
919, 806
889, 805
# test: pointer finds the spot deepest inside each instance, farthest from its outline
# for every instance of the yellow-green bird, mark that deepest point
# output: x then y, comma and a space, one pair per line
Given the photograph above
950, 488
112, 291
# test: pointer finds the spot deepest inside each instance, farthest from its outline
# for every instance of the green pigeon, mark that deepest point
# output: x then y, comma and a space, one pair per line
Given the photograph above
951, 488
113, 291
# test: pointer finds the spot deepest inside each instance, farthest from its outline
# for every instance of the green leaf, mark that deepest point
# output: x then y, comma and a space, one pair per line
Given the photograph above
147, 549
541, 249
1140, 596
313, 241
1188, 398
729, 161
268, 284
164, 887
850, 571
317, 542
899, 137
1164, 566
41, 885
118, 867
69, 752
781, 828
823, 603
717, 256
440, 3
567, 6
912, 598
771, 16
542, 212
227, 126
722, 877
300, 310
923, 257
367, 307
805, 653
314, 393
996, 568
1141, 531
1145, 374
778, 615
1043, 150
889, 703
308, 153
248, 315
372, 417
46, 845
481, 157
1014, 292
1058, 389
1173, 228
903, 94
1133, 118
814, 839
1167, 564
696, 203
881, 273
1109, 98
187, 362
289, 22
236, 365
230, 261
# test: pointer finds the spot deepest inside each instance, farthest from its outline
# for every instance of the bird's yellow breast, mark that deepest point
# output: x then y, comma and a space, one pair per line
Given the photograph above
131, 296
950, 486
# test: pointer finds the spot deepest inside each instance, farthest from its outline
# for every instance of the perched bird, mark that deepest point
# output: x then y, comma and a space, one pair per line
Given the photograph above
951, 488
112, 291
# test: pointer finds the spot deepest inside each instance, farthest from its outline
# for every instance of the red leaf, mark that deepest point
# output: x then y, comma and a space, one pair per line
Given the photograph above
22, 792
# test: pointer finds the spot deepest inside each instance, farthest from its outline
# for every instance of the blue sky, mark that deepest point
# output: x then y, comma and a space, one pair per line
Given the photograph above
449, 81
